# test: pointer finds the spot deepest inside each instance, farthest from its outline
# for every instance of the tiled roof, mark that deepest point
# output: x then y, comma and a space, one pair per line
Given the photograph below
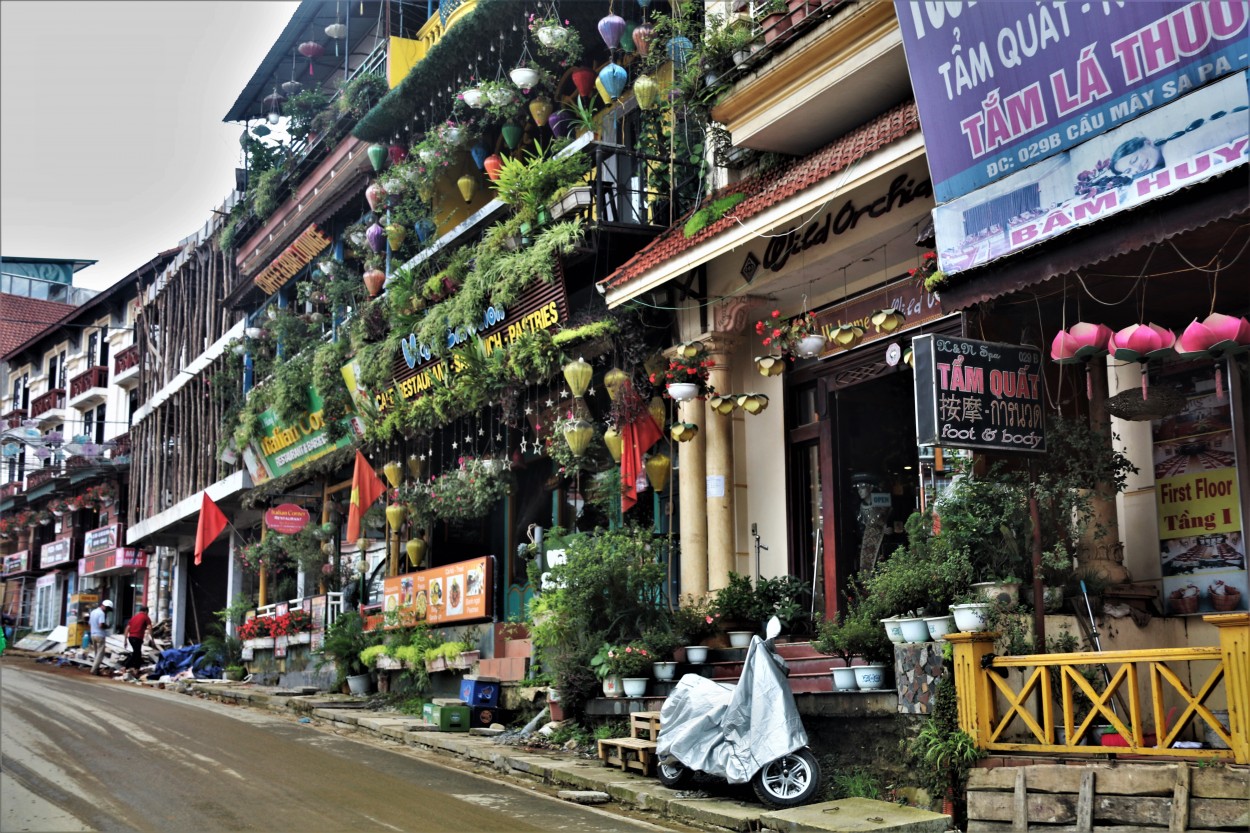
22, 318
772, 187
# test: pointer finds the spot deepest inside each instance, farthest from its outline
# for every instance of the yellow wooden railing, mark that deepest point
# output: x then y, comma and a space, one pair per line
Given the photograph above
1022, 712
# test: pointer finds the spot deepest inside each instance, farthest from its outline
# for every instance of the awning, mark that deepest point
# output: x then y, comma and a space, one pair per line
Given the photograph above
772, 199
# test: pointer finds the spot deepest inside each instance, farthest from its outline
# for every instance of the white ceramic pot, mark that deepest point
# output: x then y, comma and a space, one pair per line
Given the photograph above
664, 670
683, 391
893, 629
810, 346
524, 77
914, 629
696, 654
635, 686
869, 677
740, 639
1005, 593
612, 687
550, 36
359, 683
472, 97
939, 626
844, 679
970, 618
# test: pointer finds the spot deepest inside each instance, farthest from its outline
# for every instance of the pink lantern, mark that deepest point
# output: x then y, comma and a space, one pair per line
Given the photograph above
1080, 343
1142, 343
1218, 336
375, 194
310, 49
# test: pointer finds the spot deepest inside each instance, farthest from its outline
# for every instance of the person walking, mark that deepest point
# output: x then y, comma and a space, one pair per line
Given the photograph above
136, 629
99, 630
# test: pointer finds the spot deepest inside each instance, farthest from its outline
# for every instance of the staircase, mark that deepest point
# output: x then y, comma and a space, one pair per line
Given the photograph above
809, 669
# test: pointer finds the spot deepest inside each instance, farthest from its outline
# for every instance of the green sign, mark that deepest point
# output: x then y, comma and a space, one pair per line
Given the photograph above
283, 448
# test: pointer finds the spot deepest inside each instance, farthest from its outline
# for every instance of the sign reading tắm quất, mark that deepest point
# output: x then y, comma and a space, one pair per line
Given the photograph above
977, 394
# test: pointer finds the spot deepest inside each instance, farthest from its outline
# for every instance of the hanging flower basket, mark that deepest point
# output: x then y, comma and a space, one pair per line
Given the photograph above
524, 77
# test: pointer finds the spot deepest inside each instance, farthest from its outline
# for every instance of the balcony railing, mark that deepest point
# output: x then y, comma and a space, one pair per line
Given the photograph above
121, 446
13, 419
94, 377
39, 477
10, 489
50, 401
1025, 712
126, 359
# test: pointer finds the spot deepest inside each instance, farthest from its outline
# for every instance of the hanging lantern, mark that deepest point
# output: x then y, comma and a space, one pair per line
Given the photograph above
577, 434
423, 228
395, 236
613, 76
376, 237
847, 336
1142, 343
540, 109
261, 130
656, 408
1081, 343
416, 551
292, 87
479, 152
770, 365
646, 4
1218, 336
647, 92
395, 514
493, 164
615, 443
888, 320
643, 36
375, 195
397, 153
679, 49
610, 28
417, 467
683, 432
578, 374
612, 380
689, 349
273, 106
559, 122
512, 135
658, 470
723, 405
468, 186
626, 43
583, 80
311, 50
337, 30
752, 403
377, 156
394, 473
374, 280
603, 91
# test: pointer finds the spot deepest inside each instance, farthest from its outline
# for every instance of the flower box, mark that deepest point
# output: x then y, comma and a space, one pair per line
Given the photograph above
260, 642
301, 638
573, 202
386, 663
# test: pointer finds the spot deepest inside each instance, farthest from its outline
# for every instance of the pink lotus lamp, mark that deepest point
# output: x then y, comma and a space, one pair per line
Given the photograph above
1080, 343
1142, 343
1218, 336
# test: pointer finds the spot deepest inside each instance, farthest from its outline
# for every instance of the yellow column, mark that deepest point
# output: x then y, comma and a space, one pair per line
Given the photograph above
262, 592
972, 685
720, 469
1235, 647
692, 477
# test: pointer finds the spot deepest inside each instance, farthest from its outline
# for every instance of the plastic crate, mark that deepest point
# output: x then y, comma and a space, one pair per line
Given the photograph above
480, 692
451, 718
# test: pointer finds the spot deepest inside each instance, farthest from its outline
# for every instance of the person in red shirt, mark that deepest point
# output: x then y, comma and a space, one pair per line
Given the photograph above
136, 629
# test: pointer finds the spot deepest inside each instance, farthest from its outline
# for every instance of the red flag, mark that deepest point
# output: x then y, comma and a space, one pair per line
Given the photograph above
366, 488
212, 522
636, 437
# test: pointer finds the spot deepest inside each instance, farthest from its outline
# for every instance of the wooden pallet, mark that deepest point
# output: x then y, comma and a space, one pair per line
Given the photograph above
644, 725
637, 754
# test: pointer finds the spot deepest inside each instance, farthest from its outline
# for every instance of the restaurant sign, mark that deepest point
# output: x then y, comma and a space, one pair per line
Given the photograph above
459, 592
282, 448
16, 562
287, 519
311, 242
104, 539
122, 558
976, 394
57, 552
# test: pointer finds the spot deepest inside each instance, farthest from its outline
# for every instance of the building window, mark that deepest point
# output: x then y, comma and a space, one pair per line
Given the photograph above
93, 423
47, 607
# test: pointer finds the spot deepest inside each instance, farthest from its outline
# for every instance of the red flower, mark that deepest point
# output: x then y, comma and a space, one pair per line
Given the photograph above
776, 313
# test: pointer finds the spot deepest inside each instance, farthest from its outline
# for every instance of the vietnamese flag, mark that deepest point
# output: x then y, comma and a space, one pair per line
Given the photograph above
212, 522
366, 488
636, 437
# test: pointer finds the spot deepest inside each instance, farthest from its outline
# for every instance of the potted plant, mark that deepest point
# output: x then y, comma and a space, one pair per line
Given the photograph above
686, 376
694, 621
662, 642
847, 636
736, 603
344, 641
621, 666
796, 337
301, 110
927, 274
556, 38
944, 753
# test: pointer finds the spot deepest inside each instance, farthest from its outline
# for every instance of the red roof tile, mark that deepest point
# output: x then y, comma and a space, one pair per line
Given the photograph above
772, 187
22, 318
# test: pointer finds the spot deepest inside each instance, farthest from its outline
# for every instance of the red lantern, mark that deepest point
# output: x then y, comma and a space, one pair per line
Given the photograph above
398, 153
584, 80
310, 49
492, 166
643, 36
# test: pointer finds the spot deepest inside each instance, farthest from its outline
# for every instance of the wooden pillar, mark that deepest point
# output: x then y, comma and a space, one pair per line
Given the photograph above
1234, 631
972, 685
263, 590
720, 470
692, 477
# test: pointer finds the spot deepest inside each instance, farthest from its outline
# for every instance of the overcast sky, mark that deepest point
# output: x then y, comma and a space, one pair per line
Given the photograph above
112, 146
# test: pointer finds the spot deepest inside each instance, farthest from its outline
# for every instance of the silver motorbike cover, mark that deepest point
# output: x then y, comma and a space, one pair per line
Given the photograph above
732, 732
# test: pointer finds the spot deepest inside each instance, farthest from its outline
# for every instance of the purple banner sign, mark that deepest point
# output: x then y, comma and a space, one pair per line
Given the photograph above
1001, 86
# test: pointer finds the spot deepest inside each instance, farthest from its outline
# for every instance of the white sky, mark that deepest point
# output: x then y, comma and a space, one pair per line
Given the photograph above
112, 146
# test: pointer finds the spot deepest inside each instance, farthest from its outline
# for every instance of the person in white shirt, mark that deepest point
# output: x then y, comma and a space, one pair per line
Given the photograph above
98, 623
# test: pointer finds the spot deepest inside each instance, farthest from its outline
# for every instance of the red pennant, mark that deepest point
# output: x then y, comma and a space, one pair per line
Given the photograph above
212, 522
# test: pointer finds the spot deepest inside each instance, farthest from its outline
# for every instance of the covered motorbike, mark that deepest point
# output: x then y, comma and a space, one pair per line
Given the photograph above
748, 732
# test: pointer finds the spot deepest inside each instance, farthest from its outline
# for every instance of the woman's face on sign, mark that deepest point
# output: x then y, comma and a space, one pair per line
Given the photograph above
1146, 158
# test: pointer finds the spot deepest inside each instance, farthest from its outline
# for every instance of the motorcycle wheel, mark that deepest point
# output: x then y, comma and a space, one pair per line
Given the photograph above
673, 775
789, 781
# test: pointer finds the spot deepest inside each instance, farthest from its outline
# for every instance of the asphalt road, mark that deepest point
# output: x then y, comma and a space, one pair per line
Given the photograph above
84, 753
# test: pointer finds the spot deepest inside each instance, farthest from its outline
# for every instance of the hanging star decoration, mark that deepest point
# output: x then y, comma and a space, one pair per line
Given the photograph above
564, 394
524, 446
498, 438
468, 439
453, 445
423, 455
550, 402
528, 410
590, 391
481, 432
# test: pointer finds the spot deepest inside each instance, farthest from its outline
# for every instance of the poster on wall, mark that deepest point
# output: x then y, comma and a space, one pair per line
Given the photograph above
1202, 546
317, 614
459, 592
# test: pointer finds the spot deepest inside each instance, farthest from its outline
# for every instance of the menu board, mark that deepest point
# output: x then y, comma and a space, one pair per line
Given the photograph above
457, 592
1202, 544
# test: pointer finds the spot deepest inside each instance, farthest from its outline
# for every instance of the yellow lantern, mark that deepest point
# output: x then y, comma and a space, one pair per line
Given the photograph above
417, 467
847, 336
577, 434
723, 405
394, 473
646, 91
658, 470
468, 186
770, 365
540, 109
888, 320
656, 408
752, 403
683, 432
908, 356
603, 91
690, 349
416, 551
612, 380
615, 443
395, 514
578, 374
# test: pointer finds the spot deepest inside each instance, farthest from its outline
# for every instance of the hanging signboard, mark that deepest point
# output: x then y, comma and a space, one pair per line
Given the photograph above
977, 394
117, 560
283, 448
1202, 545
104, 539
16, 562
57, 552
459, 592
287, 518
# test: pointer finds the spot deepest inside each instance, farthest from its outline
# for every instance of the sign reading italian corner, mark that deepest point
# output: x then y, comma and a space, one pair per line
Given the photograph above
977, 394
458, 592
287, 519
284, 448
